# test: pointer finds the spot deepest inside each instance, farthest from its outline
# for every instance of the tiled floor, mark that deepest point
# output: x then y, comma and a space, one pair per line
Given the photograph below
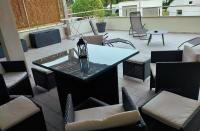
138, 89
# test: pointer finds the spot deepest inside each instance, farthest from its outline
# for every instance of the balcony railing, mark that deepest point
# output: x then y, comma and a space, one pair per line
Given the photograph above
151, 11
80, 25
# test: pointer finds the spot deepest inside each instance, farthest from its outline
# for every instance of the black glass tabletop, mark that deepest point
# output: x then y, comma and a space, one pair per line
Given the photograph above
99, 59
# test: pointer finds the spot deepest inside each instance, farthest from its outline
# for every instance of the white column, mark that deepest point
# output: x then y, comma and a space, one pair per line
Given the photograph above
67, 27
9, 37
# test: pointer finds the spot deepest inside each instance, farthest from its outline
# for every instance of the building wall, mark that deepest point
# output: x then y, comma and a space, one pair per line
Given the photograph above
187, 9
140, 6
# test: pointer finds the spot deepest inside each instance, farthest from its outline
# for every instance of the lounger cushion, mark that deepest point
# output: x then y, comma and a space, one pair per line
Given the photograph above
12, 78
95, 39
16, 111
153, 69
171, 109
107, 121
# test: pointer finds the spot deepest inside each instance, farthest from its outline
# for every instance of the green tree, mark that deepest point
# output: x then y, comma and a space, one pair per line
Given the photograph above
167, 3
107, 2
88, 5
69, 2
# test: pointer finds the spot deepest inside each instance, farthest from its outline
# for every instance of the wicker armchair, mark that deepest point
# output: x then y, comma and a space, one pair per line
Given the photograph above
168, 72
20, 114
168, 111
88, 112
14, 76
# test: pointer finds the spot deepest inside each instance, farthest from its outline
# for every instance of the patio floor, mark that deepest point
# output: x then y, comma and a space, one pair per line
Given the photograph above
138, 89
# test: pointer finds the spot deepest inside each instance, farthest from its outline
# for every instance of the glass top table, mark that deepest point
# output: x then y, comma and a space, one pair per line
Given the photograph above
95, 76
99, 59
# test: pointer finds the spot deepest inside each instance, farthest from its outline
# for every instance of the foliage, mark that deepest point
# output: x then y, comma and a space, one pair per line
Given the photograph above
167, 3
107, 2
88, 5
69, 2
165, 13
109, 13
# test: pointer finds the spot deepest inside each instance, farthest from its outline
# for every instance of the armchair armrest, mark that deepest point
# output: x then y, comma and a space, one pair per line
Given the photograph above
90, 103
69, 110
128, 104
166, 56
4, 96
14, 66
182, 78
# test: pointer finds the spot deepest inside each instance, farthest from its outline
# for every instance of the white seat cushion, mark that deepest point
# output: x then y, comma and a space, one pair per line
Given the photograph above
12, 78
16, 111
153, 69
2, 71
171, 109
139, 58
109, 121
43, 69
98, 112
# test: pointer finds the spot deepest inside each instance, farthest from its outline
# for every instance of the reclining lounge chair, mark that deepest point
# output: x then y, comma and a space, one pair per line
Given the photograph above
193, 42
137, 29
102, 39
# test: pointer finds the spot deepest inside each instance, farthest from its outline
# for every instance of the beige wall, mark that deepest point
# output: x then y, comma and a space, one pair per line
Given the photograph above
172, 24
75, 27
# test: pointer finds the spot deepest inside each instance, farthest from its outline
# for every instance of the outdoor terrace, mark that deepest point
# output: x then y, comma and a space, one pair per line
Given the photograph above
138, 89
179, 30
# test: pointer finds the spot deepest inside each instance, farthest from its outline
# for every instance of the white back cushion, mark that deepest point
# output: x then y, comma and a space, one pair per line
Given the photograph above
2, 71
153, 69
189, 55
98, 112
119, 119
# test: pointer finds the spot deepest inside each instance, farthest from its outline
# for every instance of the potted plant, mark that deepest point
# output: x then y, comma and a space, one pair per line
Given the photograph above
101, 25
